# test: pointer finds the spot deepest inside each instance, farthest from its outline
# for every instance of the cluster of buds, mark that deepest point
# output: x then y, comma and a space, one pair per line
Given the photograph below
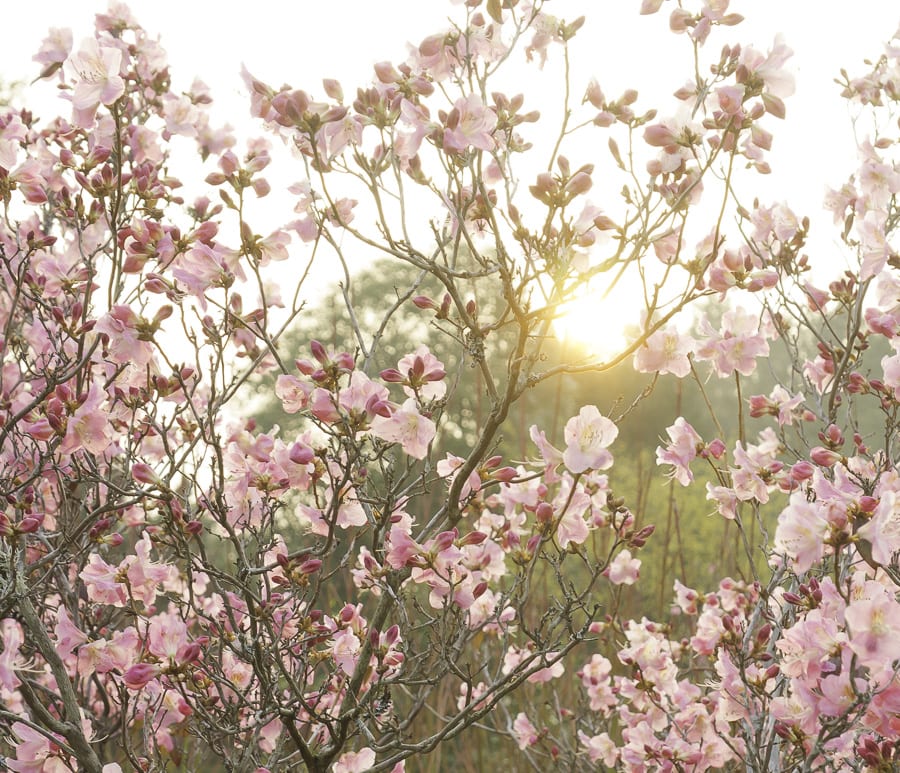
296, 570
809, 594
330, 368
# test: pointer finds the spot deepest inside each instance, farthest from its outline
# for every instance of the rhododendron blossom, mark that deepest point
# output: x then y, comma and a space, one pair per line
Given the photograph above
253, 523
587, 437
666, 351
97, 70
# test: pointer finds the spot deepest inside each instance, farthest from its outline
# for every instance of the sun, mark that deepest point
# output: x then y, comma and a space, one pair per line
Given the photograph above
598, 323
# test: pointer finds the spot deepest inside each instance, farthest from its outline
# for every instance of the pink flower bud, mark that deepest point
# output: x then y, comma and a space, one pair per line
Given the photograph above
544, 513
310, 566
802, 470
867, 504
424, 302
301, 454
760, 406
318, 351
505, 474
333, 89
543, 187
345, 361
716, 448
144, 473
139, 675
392, 635
444, 540
386, 72
191, 653
473, 538
579, 184
30, 524
833, 435
492, 462
392, 376
782, 730
824, 457
594, 95
658, 135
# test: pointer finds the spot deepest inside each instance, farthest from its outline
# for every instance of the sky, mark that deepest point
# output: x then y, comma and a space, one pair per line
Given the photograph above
303, 41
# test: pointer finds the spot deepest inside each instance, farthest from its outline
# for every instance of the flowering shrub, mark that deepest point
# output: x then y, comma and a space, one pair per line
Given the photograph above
179, 587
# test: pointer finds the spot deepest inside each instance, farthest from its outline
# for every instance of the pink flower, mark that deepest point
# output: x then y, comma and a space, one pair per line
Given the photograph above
666, 351
587, 437
293, 393
524, 732
891, 368
406, 426
403, 547
182, 115
117, 653
203, 267
68, 637
681, 451
345, 648
874, 627
420, 371
770, 68
469, 123
448, 468
54, 49
800, 534
32, 750
97, 79
883, 530
599, 747
573, 529
516, 656
551, 455
123, 329
168, 638
11, 636
145, 578
623, 569
737, 344
88, 428
355, 762
101, 583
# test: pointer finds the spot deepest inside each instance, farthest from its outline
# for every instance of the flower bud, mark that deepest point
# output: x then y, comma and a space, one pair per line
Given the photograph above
139, 675
824, 457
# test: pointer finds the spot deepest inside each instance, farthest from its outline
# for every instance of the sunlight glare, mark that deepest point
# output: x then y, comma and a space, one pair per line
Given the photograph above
600, 324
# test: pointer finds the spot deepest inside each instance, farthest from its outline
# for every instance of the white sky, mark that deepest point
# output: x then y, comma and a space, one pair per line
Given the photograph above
301, 42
